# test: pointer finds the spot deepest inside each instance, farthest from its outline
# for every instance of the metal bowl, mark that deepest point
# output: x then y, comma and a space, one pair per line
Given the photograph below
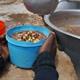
70, 43
41, 7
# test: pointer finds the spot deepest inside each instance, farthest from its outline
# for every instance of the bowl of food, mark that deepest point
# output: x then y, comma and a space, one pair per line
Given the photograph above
24, 42
66, 24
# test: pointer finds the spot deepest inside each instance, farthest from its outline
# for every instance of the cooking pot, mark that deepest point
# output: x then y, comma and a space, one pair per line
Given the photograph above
41, 7
64, 4
70, 43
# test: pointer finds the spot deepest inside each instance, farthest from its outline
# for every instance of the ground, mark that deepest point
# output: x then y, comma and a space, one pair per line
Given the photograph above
63, 62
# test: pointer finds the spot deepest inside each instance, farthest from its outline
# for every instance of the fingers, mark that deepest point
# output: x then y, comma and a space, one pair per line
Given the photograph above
48, 43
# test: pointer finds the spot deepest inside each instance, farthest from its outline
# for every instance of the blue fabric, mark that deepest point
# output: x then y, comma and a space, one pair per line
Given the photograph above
46, 73
44, 67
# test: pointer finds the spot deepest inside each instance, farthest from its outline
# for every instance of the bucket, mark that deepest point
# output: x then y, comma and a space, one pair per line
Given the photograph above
23, 54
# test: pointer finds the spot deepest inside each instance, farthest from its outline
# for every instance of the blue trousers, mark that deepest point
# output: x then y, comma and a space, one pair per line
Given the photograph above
44, 67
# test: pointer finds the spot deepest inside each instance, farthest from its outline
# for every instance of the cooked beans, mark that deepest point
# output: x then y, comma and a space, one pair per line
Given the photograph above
32, 36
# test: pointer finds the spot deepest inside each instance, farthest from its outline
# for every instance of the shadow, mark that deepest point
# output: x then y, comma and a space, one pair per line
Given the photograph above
24, 68
5, 69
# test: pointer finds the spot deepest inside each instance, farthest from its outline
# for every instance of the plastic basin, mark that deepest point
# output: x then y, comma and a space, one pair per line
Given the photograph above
23, 54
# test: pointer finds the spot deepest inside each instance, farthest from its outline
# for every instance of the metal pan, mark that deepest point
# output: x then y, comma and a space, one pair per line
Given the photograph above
70, 43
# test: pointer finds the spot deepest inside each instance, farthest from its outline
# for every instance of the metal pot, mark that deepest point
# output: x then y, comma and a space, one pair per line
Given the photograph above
63, 4
69, 42
41, 7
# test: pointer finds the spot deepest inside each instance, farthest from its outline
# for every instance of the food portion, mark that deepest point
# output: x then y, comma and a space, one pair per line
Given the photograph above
31, 36
74, 29
68, 23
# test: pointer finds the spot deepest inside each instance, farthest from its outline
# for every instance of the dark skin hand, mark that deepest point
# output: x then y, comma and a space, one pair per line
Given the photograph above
3, 48
44, 66
50, 45
3, 53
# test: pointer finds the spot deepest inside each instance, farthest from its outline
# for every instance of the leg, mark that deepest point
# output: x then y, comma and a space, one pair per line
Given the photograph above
46, 73
44, 66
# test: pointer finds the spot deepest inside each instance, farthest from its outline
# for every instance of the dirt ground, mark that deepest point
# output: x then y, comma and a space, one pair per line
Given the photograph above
63, 62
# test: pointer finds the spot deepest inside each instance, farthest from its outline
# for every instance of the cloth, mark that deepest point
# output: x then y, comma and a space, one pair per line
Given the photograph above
44, 67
